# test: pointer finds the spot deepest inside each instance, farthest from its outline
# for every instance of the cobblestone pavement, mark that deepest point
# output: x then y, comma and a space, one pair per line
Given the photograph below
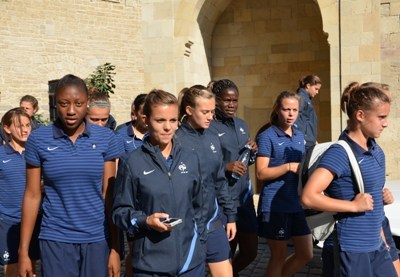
258, 266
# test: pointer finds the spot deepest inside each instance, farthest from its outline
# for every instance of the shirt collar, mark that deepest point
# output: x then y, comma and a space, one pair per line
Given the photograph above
221, 116
8, 148
131, 133
282, 133
155, 148
357, 149
303, 91
186, 126
58, 132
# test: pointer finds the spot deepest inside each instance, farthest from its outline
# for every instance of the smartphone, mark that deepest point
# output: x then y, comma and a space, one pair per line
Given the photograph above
171, 222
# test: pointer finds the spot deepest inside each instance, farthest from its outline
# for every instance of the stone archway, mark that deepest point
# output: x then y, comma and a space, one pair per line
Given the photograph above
265, 47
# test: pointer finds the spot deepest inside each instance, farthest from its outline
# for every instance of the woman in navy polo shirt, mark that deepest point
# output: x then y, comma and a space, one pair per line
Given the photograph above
134, 132
362, 251
234, 135
77, 162
16, 125
281, 216
197, 106
158, 181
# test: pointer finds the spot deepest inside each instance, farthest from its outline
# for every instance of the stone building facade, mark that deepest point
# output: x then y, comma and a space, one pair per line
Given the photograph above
264, 46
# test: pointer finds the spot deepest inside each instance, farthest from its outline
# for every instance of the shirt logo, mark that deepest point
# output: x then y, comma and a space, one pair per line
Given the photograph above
213, 148
358, 162
221, 134
242, 130
147, 172
281, 233
52, 148
182, 168
6, 256
280, 143
94, 146
129, 141
6, 161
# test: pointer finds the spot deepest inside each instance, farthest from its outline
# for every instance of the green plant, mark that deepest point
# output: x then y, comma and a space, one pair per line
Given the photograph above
41, 120
102, 79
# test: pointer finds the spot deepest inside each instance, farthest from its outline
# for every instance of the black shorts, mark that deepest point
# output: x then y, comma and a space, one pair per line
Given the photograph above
282, 226
9, 241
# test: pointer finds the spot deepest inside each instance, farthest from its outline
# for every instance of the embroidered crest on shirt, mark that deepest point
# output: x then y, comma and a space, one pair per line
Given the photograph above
6, 256
213, 148
182, 168
281, 233
242, 130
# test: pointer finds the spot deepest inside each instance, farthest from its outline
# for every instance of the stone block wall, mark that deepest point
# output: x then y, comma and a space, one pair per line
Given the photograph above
44, 40
390, 68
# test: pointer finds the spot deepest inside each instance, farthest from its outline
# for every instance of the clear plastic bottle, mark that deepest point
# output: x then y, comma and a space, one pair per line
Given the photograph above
243, 158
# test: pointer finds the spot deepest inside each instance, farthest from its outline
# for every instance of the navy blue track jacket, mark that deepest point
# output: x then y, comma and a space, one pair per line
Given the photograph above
215, 186
145, 185
307, 121
234, 135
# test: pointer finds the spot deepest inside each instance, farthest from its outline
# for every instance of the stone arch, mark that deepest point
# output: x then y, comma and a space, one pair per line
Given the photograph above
265, 47
219, 38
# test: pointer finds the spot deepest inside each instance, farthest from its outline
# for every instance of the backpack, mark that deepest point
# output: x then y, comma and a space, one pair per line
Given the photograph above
320, 223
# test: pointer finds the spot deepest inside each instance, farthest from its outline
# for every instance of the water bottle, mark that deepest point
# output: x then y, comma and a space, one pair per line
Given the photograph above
243, 158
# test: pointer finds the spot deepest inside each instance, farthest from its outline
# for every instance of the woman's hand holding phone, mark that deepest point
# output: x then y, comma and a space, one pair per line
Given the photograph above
154, 222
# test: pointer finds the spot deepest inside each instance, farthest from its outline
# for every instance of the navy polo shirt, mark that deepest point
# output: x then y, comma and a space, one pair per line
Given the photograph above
358, 232
130, 140
280, 195
12, 183
73, 206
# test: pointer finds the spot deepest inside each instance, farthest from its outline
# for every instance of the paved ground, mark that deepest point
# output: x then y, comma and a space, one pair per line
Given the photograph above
258, 267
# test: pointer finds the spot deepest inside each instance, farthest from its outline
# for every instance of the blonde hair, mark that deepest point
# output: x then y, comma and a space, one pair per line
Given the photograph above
188, 96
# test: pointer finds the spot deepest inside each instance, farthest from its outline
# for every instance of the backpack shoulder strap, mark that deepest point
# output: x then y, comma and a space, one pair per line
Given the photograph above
354, 165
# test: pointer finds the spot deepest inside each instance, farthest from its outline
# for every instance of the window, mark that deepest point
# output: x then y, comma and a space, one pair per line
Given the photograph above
52, 101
